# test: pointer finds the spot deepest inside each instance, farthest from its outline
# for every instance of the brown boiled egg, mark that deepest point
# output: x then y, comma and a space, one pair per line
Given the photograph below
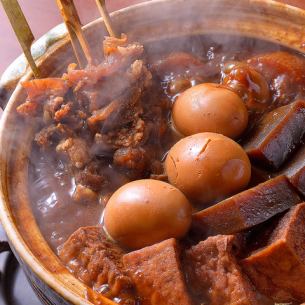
145, 212
210, 108
208, 167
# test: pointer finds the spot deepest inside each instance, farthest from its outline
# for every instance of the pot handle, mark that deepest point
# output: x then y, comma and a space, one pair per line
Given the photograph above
3, 97
4, 245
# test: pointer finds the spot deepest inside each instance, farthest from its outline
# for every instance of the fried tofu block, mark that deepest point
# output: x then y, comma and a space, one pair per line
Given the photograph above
214, 274
97, 262
157, 274
278, 134
295, 170
247, 209
278, 268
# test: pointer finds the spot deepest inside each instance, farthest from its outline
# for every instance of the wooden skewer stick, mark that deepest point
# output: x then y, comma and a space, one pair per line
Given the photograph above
106, 17
74, 26
77, 48
22, 31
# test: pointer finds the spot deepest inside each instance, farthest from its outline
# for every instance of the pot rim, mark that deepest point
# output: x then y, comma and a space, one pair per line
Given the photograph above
6, 216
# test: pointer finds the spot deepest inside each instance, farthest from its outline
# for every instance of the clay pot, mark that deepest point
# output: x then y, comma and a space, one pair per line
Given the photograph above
146, 22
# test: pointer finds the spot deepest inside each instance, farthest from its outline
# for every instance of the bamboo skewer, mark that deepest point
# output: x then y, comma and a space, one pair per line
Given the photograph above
22, 31
77, 48
107, 20
74, 26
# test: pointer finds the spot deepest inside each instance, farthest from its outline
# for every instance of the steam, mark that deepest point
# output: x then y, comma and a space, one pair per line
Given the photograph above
55, 211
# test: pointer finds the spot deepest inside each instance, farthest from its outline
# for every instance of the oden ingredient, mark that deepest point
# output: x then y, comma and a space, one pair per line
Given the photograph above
215, 275
145, 212
157, 274
210, 108
207, 167
248, 208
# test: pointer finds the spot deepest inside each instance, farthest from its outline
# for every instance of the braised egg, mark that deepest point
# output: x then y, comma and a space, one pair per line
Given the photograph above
210, 108
144, 212
208, 167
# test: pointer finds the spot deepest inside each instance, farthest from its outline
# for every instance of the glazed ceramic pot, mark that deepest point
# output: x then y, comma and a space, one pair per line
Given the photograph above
146, 22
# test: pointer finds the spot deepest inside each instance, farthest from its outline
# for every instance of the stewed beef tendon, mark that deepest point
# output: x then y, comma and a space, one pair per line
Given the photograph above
102, 127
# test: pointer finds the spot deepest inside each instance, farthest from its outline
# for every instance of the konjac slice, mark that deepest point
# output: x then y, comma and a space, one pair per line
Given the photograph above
278, 268
247, 209
214, 274
277, 135
295, 170
157, 274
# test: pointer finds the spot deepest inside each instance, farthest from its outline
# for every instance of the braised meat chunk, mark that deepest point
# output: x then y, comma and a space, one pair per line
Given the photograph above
285, 74
278, 134
104, 112
39, 90
278, 269
180, 71
176, 62
126, 107
131, 158
157, 274
214, 274
97, 262
266, 81
52, 134
247, 209
77, 151
250, 85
